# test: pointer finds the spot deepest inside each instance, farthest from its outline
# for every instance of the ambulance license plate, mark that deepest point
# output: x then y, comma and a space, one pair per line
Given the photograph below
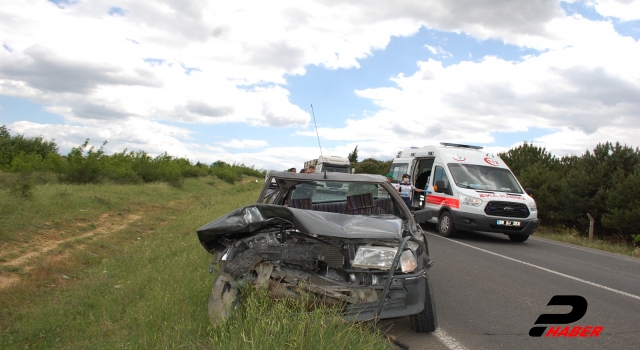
508, 223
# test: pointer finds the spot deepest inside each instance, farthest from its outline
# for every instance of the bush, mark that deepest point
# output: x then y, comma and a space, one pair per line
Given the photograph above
232, 172
373, 166
23, 147
23, 188
84, 169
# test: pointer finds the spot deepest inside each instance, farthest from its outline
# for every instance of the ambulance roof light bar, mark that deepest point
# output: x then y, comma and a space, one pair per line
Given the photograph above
460, 145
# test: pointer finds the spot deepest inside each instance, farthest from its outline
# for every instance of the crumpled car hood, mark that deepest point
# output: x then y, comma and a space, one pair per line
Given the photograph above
257, 216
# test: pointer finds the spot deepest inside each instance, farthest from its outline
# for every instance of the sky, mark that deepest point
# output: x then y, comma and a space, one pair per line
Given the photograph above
236, 81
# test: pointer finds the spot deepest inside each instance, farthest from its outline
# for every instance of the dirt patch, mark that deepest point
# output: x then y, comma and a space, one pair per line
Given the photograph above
8, 280
105, 224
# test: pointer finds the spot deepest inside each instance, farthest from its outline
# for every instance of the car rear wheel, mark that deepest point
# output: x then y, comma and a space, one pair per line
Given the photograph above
426, 321
445, 225
518, 238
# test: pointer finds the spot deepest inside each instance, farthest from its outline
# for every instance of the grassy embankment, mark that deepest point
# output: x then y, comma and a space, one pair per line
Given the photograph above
113, 266
573, 236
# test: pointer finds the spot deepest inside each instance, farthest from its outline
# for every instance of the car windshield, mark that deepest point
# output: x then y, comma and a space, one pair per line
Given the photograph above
354, 198
479, 177
331, 191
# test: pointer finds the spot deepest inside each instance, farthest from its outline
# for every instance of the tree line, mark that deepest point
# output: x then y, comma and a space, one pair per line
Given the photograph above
86, 164
604, 182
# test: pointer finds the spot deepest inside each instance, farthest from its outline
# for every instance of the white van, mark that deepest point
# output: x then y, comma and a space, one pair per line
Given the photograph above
468, 189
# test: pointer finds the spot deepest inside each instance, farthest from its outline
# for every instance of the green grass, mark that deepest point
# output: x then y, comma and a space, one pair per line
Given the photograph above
262, 323
145, 286
57, 206
573, 236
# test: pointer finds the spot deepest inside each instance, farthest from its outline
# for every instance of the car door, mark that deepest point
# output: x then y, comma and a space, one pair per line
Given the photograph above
420, 175
436, 200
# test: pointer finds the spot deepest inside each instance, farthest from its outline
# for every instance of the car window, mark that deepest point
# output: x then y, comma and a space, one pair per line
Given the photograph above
353, 198
269, 197
440, 174
328, 191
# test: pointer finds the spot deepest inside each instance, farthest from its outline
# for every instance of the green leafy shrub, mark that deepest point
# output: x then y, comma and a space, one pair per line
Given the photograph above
373, 166
232, 172
12, 146
22, 188
84, 168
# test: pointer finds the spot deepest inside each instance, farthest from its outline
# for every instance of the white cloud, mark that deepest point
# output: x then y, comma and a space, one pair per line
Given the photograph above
438, 50
137, 134
233, 143
119, 76
588, 90
135, 61
626, 10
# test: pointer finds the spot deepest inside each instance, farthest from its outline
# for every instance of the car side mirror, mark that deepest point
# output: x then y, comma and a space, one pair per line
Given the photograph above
529, 192
439, 186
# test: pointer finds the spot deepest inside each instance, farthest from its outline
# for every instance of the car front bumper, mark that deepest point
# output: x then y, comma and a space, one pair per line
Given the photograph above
474, 222
406, 297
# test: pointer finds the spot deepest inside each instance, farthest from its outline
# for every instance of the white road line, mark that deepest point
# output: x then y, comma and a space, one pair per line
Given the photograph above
446, 339
544, 269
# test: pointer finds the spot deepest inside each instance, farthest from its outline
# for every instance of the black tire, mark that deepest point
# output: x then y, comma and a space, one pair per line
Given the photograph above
446, 226
518, 238
426, 321
223, 300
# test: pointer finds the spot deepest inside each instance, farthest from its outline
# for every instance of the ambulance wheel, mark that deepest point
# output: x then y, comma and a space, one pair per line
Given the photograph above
518, 238
445, 225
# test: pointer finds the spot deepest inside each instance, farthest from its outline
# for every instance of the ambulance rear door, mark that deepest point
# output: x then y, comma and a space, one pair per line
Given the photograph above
420, 176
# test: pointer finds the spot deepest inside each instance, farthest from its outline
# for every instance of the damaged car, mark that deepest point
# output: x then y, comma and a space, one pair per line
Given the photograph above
347, 239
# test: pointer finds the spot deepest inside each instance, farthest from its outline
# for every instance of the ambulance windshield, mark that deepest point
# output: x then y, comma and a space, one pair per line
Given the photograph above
486, 178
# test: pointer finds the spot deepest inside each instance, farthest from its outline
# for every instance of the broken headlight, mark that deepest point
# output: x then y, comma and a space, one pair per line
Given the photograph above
382, 258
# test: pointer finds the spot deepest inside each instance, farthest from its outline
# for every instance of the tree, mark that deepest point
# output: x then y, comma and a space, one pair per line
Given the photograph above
623, 203
373, 166
520, 158
12, 146
4, 132
353, 156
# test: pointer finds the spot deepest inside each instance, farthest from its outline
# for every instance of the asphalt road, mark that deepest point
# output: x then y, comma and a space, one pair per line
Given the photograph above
489, 292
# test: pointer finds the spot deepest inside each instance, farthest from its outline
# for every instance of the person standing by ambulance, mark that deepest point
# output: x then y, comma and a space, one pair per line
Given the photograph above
404, 188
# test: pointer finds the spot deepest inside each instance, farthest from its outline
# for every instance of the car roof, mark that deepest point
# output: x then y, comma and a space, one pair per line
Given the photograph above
330, 176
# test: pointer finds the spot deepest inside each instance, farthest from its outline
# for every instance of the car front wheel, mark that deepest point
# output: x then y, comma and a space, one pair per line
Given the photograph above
223, 299
426, 321
445, 225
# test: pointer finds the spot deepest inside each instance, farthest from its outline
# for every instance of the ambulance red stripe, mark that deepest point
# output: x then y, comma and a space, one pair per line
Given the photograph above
445, 201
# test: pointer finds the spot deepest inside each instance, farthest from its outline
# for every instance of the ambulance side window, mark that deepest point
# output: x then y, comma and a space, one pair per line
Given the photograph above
440, 175
398, 170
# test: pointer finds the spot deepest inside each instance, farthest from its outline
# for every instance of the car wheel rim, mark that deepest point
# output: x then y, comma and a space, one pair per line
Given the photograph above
444, 225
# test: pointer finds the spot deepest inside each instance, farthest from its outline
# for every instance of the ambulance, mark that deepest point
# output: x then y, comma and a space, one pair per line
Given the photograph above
462, 187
